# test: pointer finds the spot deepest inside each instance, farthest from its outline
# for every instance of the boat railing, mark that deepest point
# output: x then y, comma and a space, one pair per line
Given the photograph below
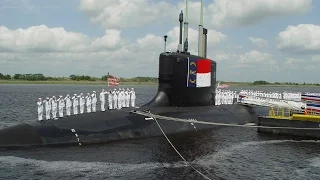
286, 113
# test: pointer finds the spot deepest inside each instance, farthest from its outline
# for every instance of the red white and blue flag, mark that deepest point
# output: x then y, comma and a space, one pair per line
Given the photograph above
199, 72
313, 98
313, 107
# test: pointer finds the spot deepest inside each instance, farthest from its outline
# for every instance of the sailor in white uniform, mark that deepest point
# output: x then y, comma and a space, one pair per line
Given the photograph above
54, 107
94, 101
88, 102
110, 98
47, 104
75, 104
103, 99
128, 97
120, 98
115, 99
82, 102
68, 104
61, 106
133, 97
40, 109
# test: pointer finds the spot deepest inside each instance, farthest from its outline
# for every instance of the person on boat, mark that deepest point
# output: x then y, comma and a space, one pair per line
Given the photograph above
82, 101
127, 97
115, 99
68, 104
61, 106
75, 104
40, 109
109, 96
47, 103
54, 107
120, 98
103, 99
133, 97
88, 103
94, 101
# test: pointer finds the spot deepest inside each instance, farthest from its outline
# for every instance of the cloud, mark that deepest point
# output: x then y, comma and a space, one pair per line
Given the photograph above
55, 51
259, 42
248, 12
126, 13
44, 39
217, 14
303, 38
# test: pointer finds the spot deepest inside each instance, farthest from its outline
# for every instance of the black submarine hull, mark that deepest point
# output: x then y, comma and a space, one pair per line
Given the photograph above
115, 125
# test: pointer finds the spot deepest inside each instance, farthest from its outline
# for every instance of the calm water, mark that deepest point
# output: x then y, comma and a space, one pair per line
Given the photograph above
220, 153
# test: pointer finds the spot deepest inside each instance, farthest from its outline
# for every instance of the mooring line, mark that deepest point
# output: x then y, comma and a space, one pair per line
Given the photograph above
164, 134
217, 124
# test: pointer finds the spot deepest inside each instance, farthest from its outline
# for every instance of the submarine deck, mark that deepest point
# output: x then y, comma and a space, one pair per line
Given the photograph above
113, 125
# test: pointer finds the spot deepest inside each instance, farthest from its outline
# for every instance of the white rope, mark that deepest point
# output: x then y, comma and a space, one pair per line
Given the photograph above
217, 124
164, 134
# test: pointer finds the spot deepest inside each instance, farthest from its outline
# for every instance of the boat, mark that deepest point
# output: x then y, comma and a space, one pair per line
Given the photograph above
186, 91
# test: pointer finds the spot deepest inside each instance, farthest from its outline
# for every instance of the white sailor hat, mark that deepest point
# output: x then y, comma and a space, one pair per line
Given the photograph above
75, 94
47, 97
60, 96
93, 91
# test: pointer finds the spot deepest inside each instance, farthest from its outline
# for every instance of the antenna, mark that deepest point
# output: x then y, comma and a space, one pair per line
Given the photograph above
165, 43
186, 29
180, 37
204, 43
200, 31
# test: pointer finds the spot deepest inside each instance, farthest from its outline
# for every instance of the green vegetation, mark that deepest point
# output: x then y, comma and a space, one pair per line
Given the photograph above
72, 79
84, 79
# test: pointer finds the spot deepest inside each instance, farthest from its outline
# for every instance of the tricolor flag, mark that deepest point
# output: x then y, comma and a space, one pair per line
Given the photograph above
199, 72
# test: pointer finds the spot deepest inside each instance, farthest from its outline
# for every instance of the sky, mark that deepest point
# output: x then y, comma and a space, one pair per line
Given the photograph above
271, 40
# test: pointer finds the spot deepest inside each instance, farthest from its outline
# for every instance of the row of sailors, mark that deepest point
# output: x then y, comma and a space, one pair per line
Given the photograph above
295, 96
225, 97
117, 99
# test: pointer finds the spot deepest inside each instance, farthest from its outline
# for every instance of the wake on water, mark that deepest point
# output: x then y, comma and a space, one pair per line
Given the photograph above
114, 169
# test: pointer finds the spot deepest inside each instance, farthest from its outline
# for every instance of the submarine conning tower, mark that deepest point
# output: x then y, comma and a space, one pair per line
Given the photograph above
186, 79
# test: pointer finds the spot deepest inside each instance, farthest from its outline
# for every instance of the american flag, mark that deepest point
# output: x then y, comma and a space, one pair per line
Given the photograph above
112, 81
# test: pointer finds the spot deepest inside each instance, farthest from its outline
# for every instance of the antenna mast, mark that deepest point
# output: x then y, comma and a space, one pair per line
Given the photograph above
200, 39
186, 29
180, 37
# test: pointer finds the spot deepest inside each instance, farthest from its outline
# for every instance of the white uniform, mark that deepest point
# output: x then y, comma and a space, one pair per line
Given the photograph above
75, 104
120, 98
88, 103
94, 101
115, 99
109, 94
47, 104
68, 105
54, 107
61, 106
40, 109
133, 97
82, 103
128, 98
102, 99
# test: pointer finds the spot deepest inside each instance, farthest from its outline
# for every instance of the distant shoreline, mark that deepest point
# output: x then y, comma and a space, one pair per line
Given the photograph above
66, 82
71, 82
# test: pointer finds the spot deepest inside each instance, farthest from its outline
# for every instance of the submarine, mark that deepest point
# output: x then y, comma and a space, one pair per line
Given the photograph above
186, 90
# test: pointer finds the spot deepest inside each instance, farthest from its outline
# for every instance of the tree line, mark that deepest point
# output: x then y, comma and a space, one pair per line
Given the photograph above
73, 77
